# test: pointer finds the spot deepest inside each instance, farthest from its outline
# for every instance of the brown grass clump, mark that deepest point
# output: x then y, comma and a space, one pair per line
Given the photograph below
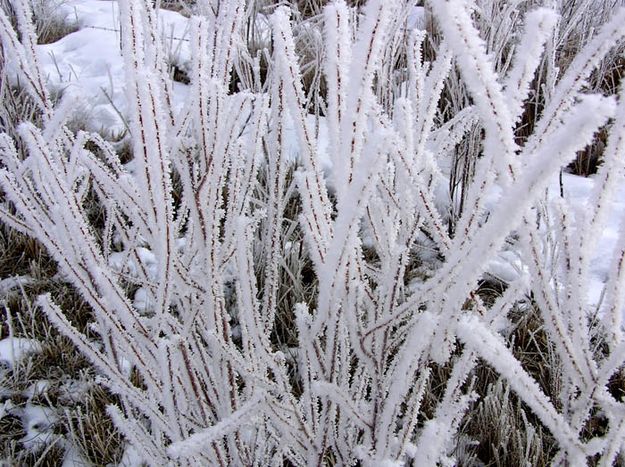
505, 431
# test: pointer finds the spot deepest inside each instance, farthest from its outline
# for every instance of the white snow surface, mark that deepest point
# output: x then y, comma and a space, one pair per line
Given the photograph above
88, 63
578, 191
508, 266
74, 458
10, 283
14, 349
38, 388
38, 422
416, 18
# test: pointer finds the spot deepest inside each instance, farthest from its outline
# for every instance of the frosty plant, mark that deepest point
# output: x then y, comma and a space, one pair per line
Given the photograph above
184, 283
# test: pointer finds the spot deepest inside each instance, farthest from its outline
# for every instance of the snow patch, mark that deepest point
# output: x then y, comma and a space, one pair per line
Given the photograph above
14, 349
38, 388
10, 283
88, 62
73, 457
143, 301
38, 422
577, 191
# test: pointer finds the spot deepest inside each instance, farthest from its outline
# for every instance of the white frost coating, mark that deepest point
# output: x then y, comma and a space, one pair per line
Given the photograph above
28, 69
458, 274
482, 81
492, 349
199, 441
431, 443
575, 77
539, 24
338, 40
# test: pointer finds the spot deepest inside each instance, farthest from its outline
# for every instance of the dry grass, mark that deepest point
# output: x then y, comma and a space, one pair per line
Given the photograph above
70, 391
92, 431
505, 430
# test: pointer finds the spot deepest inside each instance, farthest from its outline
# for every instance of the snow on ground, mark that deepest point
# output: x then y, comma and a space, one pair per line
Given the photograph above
38, 388
508, 266
38, 422
578, 191
292, 142
74, 458
14, 349
10, 283
416, 18
88, 62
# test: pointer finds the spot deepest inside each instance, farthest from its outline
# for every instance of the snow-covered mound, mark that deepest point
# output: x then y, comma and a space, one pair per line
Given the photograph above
88, 62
